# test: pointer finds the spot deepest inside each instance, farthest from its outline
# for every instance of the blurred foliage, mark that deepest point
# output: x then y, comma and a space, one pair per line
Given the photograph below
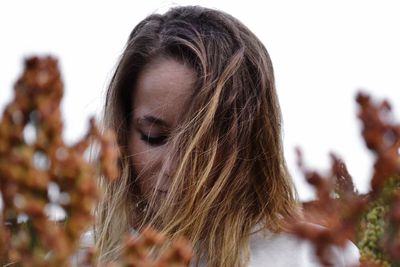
370, 220
40, 175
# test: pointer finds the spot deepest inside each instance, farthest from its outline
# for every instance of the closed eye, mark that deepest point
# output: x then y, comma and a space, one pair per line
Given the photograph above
154, 140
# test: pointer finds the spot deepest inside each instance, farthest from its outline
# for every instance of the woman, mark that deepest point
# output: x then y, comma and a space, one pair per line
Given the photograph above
198, 122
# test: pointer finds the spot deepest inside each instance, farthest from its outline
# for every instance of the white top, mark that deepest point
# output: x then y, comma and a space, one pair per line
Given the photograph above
288, 250
275, 250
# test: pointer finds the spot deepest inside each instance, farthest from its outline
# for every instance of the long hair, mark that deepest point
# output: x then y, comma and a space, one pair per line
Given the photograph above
231, 176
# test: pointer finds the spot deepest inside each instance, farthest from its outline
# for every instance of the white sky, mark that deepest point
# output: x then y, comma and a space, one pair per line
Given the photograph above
323, 52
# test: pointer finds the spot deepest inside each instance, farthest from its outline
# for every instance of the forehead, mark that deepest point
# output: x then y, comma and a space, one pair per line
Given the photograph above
163, 89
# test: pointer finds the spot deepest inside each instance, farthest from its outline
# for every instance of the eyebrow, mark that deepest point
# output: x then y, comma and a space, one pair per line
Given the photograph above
152, 120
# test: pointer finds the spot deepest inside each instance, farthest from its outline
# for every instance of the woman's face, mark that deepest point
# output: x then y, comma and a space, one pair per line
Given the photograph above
160, 99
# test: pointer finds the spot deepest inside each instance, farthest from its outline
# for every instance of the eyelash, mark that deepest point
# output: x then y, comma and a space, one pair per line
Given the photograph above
154, 141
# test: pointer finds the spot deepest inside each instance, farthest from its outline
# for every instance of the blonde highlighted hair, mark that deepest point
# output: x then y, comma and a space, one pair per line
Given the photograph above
231, 175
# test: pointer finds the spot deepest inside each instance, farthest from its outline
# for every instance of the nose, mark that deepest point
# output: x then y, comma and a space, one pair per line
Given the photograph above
166, 166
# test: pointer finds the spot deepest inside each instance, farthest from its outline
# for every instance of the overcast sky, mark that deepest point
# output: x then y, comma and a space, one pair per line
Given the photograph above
323, 53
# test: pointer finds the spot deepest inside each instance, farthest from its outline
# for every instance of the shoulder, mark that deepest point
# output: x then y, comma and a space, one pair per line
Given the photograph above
283, 249
87, 239
86, 242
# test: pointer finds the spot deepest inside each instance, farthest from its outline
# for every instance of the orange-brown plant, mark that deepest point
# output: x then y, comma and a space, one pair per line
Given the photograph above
34, 160
372, 219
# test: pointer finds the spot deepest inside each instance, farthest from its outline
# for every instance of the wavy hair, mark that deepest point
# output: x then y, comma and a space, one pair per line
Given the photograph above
231, 176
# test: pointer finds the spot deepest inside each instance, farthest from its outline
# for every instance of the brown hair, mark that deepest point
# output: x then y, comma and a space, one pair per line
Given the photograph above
231, 174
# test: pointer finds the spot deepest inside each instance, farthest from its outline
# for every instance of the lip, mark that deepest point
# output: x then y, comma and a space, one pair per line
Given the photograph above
162, 191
